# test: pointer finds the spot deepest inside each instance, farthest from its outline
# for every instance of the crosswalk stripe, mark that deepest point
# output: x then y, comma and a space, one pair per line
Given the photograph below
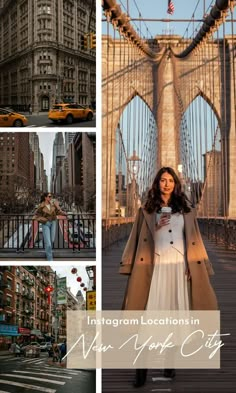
63, 370
56, 370
27, 386
34, 379
27, 360
49, 375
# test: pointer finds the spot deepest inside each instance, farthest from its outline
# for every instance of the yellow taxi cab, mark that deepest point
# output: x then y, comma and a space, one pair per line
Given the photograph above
69, 112
10, 118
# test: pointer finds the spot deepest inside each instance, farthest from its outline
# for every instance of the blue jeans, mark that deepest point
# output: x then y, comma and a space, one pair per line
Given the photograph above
49, 230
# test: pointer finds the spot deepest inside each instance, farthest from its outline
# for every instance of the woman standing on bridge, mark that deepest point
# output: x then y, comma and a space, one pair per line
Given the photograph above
46, 214
165, 256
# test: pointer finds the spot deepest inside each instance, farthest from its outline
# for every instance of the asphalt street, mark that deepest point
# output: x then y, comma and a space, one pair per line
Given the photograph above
41, 120
21, 375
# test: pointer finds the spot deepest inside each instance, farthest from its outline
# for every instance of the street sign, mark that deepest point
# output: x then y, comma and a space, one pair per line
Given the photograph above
61, 291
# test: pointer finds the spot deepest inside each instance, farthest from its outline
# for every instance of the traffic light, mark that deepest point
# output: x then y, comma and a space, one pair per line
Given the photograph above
84, 42
48, 289
92, 40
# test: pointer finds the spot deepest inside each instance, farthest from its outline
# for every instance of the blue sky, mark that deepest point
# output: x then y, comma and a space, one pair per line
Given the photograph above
157, 9
65, 271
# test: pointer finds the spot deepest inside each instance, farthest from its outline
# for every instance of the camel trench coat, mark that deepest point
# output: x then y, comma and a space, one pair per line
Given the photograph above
138, 262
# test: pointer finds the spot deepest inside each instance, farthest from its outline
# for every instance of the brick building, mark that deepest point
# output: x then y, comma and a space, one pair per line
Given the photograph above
16, 168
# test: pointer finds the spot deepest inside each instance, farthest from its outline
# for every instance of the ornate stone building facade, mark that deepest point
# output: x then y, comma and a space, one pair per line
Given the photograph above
42, 60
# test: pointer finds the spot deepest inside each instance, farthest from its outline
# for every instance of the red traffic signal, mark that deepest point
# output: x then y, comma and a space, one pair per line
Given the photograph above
79, 279
48, 289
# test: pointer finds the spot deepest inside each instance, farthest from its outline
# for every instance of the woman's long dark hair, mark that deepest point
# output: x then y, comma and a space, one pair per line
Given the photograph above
178, 200
43, 196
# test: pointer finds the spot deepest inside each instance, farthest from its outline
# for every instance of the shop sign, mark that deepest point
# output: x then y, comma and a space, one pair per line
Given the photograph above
24, 331
8, 330
61, 291
91, 300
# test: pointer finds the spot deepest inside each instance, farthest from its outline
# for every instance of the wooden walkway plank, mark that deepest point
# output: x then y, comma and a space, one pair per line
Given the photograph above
222, 380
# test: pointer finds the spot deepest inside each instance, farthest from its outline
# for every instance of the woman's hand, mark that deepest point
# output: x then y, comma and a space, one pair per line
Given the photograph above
187, 272
164, 220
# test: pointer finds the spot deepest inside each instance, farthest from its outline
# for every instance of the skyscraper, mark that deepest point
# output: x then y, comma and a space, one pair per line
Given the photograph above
58, 151
34, 143
69, 136
16, 167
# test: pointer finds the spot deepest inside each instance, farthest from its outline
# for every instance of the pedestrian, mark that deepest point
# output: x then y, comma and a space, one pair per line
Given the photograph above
46, 214
63, 350
30, 109
56, 353
13, 348
17, 350
165, 250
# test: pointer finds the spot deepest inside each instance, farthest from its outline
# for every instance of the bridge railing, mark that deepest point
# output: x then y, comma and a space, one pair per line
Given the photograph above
217, 229
21, 233
115, 229
220, 230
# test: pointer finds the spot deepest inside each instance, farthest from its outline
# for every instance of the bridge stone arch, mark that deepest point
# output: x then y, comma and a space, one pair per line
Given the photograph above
168, 85
122, 81
207, 100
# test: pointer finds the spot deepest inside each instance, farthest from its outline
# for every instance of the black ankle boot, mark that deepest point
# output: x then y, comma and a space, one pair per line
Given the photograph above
169, 372
140, 377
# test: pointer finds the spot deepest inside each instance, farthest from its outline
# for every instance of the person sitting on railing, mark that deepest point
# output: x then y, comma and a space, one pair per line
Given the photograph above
46, 214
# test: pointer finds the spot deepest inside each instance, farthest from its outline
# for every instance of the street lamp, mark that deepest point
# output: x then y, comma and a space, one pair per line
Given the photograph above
133, 166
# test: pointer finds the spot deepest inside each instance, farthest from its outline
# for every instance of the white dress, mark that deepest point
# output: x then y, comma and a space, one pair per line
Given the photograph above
169, 287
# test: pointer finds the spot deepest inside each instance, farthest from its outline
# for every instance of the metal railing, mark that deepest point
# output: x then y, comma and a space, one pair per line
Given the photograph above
220, 230
20, 233
115, 229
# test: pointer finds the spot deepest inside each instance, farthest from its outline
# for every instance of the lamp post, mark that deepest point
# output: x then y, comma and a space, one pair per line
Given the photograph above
133, 166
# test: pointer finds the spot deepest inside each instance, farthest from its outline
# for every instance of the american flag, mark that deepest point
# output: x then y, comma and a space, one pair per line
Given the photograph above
171, 7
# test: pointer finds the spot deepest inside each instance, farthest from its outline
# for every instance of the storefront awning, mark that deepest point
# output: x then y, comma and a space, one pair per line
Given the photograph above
36, 332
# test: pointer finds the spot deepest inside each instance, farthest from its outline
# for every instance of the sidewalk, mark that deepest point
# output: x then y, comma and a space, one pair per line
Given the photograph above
5, 353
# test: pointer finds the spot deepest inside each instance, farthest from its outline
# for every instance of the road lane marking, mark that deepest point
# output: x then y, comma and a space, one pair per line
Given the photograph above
27, 386
34, 379
49, 375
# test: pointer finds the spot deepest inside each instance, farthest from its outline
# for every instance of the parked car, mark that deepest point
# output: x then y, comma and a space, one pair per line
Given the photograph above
73, 235
69, 112
10, 118
43, 346
85, 234
32, 350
